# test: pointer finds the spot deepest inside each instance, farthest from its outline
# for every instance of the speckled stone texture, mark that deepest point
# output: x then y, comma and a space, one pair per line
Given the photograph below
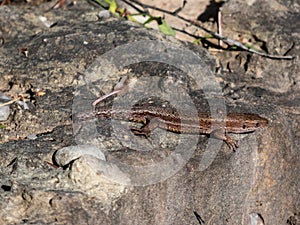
259, 182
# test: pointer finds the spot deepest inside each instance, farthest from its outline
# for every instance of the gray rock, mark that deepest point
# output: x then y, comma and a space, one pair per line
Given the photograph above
4, 113
262, 176
4, 110
67, 154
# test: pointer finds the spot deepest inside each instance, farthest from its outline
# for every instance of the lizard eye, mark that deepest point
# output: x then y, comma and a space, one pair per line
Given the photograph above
257, 124
244, 126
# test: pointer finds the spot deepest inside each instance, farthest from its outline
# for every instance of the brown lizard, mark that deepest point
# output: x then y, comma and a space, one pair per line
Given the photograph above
153, 117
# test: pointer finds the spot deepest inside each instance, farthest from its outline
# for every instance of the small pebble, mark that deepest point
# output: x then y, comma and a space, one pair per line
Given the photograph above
256, 219
4, 110
23, 104
4, 113
104, 14
32, 137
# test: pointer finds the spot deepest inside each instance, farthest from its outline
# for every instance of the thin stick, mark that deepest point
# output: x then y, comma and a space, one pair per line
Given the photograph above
122, 86
220, 26
10, 102
136, 8
105, 96
214, 34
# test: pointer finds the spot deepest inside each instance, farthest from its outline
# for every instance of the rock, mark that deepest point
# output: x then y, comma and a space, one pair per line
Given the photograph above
4, 110
121, 184
4, 113
67, 154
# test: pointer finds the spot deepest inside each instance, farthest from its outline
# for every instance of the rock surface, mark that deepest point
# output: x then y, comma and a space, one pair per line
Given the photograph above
259, 182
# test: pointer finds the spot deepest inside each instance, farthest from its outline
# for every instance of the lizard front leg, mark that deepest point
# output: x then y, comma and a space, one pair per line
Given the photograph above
221, 134
147, 128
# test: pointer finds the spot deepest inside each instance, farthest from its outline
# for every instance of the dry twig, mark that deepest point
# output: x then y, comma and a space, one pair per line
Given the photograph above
11, 101
214, 34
